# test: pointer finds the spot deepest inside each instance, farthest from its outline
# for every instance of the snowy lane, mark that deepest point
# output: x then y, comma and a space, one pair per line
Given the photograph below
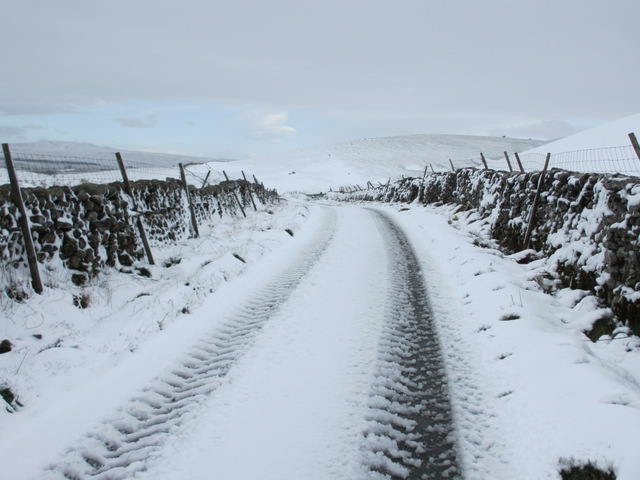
330, 370
411, 404
127, 443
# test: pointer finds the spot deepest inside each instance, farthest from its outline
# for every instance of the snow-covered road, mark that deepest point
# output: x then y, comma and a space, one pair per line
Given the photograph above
307, 360
327, 367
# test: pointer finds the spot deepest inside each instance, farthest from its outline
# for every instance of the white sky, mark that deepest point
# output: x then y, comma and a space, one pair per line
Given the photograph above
230, 79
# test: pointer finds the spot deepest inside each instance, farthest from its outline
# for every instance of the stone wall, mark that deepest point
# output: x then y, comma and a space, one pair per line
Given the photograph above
90, 227
587, 224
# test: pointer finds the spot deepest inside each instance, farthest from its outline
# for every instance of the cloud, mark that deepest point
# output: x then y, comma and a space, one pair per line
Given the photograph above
271, 126
417, 66
129, 122
7, 131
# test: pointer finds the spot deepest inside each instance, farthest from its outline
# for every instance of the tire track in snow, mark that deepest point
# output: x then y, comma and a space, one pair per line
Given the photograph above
410, 431
133, 438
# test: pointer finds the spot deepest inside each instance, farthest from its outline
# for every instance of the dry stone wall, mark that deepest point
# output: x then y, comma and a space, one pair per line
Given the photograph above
587, 224
90, 227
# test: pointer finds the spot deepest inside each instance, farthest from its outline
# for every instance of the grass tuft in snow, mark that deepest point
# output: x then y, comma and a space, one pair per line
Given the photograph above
289, 231
9, 397
16, 292
171, 261
144, 272
82, 300
589, 471
603, 326
509, 316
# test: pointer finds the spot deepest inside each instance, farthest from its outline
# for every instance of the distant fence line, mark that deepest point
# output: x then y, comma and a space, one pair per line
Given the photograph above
43, 170
46, 171
624, 160
621, 160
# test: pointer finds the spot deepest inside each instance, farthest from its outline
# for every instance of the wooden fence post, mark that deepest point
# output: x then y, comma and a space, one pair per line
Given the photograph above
235, 196
534, 207
23, 220
519, 162
425, 172
634, 142
250, 196
506, 155
127, 188
204, 184
484, 162
185, 185
432, 168
452, 167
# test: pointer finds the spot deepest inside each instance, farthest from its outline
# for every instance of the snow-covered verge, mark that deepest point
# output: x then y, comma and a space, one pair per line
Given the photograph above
62, 352
587, 225
531, 393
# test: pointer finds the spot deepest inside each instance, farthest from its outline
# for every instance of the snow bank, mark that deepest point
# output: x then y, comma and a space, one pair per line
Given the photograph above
587, 224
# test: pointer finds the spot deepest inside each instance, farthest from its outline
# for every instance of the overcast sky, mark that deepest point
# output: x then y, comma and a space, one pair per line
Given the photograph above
234, 78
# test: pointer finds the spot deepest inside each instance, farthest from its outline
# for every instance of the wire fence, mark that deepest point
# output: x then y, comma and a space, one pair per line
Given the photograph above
622, 160
43, 170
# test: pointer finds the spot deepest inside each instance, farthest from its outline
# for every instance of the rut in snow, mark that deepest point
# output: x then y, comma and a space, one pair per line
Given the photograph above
410, 432
407, 430
132, 440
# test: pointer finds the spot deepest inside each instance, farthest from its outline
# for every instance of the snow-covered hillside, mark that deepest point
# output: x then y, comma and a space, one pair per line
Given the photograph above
90, 151
374, 159
612, 134
316, 169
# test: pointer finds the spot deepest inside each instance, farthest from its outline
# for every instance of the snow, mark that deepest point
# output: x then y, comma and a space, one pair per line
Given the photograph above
529, 390
90, 151
296, 400
612, 134
372, 159
544, 391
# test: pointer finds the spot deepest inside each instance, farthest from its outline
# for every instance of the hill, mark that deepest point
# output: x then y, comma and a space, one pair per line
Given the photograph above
90, 151
612, 134
373, 159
